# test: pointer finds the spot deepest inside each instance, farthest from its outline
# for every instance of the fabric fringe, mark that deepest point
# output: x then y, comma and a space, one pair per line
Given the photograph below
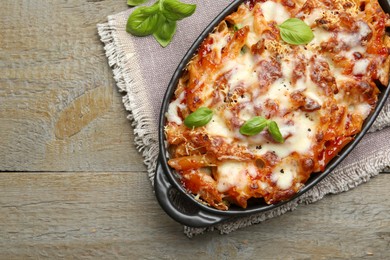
146, 140
338, 181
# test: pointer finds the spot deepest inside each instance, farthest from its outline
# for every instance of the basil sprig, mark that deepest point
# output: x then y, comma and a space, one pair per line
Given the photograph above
198, 118
165, 33
175, 10
135, 2
273, 129
158, 19
257, 124
144, 21
254, 126
295, 31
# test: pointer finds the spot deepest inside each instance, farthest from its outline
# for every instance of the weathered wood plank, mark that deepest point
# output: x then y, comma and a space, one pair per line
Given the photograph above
107, 215
59, 109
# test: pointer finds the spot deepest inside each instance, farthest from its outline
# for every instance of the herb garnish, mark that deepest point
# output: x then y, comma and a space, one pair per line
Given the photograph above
295, 31
273, 129
254, 126
257, 124
158, 19
135, 2
198, 118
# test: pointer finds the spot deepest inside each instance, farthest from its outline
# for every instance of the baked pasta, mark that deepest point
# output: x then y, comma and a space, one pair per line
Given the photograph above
316, 95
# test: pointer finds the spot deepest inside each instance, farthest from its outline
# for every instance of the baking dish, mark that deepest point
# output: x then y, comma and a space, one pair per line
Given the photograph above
184, 207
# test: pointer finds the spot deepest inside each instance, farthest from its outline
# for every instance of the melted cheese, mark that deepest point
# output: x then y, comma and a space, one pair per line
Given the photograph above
173, 108
350, 53
360, 67
232, 174
311, 90
354, 39
363, 109
284, 174
274, 12
242, 71
320, 35
278, 93
287, 70
217, 127
313, 16
252, 39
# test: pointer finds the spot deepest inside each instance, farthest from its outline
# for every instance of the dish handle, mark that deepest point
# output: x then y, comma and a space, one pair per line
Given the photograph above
196, 218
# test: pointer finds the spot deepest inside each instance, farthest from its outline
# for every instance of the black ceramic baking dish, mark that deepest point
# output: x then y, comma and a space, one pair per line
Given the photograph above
167, 181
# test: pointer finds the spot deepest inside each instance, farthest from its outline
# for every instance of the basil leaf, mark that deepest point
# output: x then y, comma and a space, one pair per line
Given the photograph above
135, 2
273, 129
158, 19
165, 32
253, 126
198, 118
176, 10
295, 31
143, 21
237, 27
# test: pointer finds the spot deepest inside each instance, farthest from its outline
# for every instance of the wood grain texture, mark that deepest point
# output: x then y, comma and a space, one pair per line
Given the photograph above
115, 215
59, 109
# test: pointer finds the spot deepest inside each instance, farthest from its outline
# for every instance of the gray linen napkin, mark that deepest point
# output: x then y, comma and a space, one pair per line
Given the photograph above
142, 70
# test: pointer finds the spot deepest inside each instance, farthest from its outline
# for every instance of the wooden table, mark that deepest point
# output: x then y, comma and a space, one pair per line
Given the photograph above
74, 186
